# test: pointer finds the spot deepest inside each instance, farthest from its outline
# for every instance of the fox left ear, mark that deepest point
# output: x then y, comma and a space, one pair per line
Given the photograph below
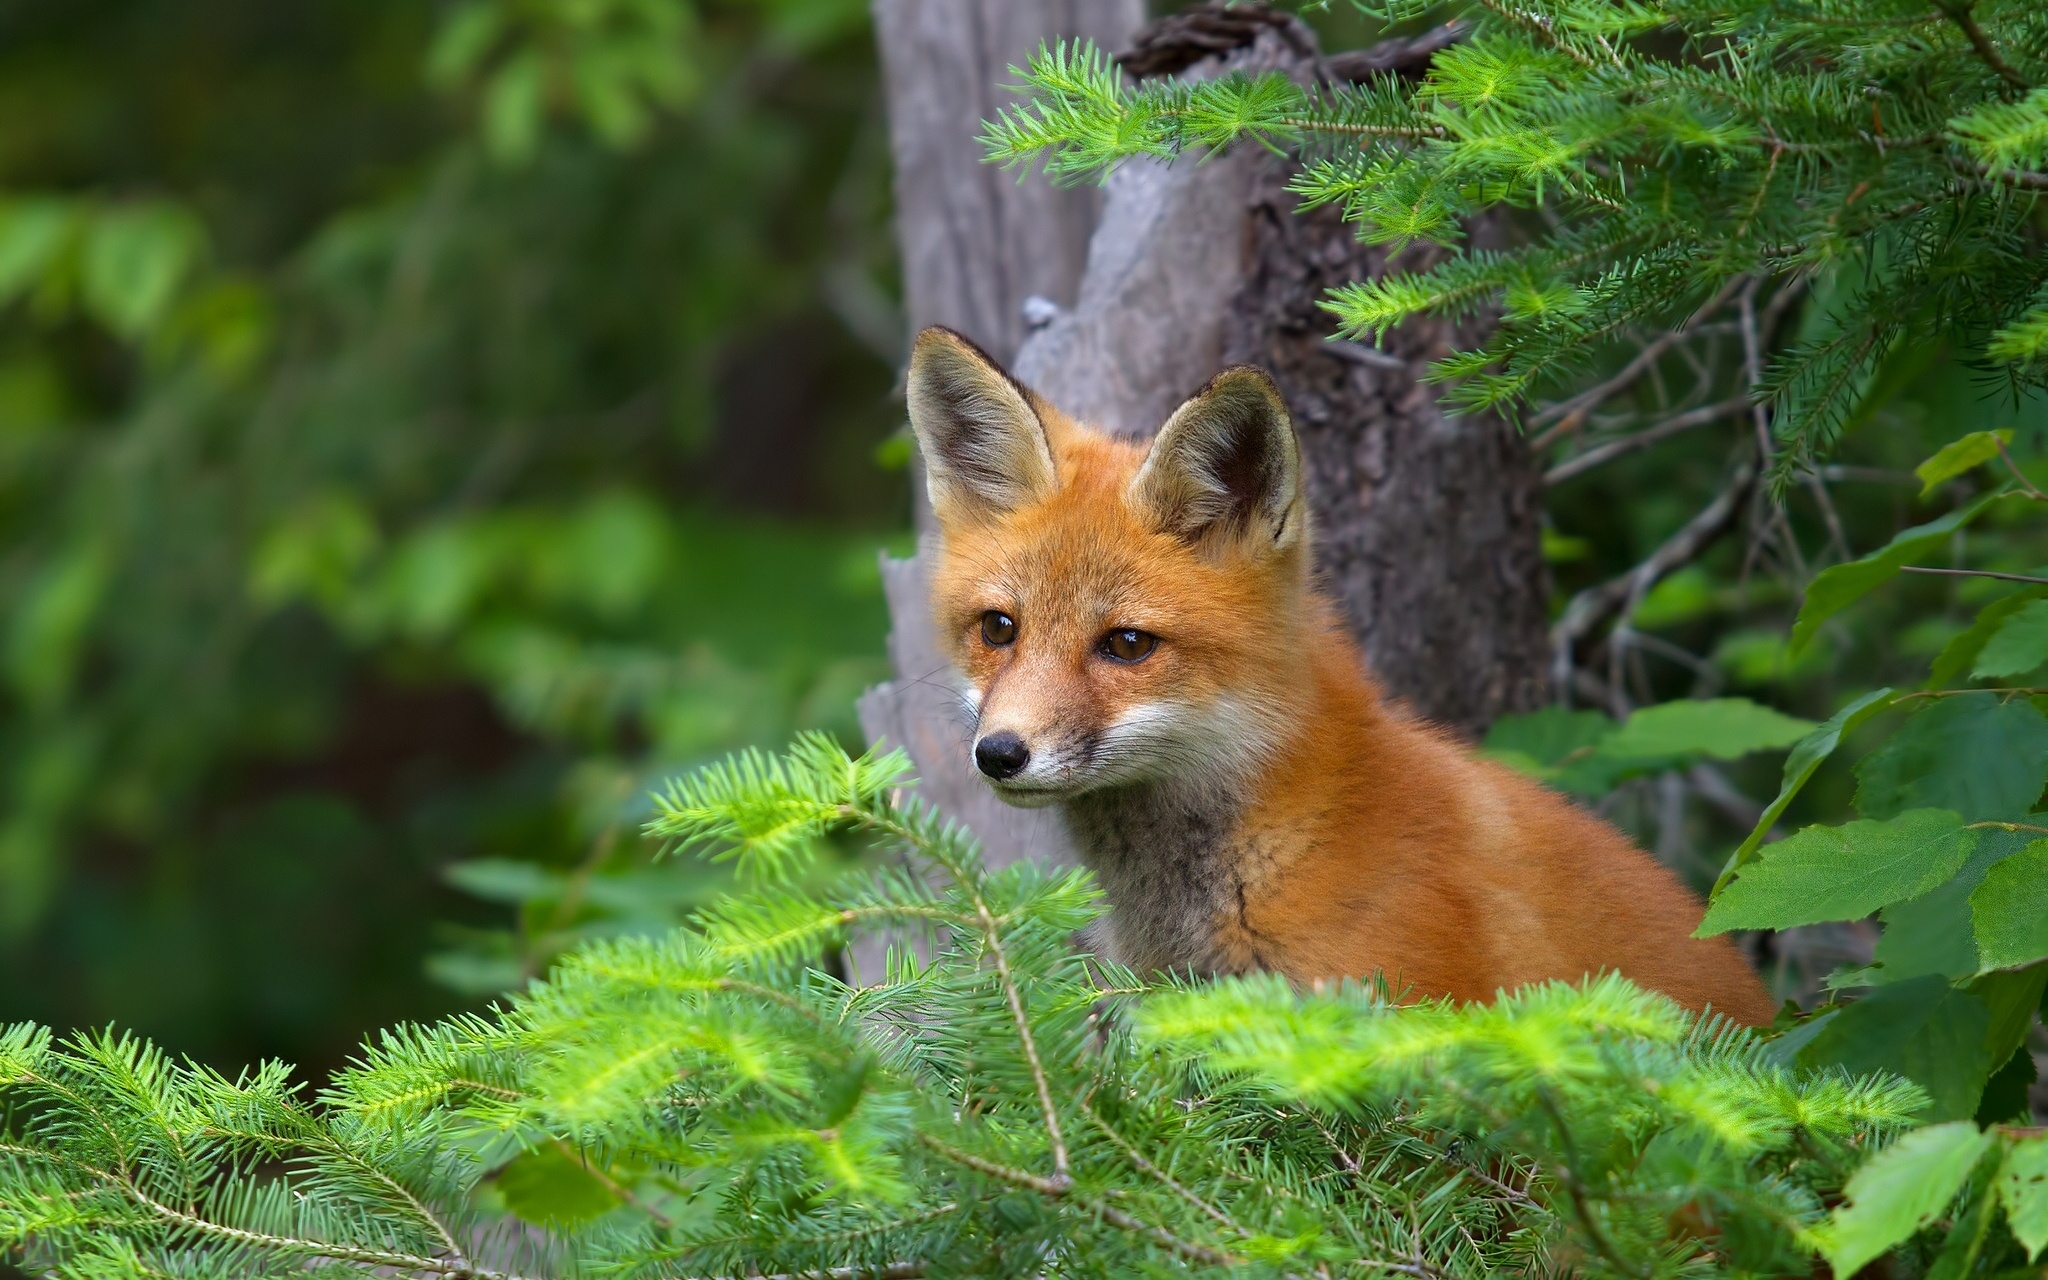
985, 449
1226, 463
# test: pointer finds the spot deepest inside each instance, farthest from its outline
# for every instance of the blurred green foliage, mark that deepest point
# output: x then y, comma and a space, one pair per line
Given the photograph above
419, 424
423, 427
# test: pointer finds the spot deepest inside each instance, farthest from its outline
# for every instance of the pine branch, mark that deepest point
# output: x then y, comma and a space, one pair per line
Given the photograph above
856, 1132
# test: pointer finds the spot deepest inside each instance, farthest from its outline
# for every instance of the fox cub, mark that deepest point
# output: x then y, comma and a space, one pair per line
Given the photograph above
1145, 650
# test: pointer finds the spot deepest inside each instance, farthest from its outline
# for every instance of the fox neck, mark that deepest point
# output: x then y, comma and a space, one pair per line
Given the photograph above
1163, 853
1174, 856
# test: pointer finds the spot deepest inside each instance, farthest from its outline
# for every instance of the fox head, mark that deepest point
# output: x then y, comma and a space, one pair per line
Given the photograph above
1124, 612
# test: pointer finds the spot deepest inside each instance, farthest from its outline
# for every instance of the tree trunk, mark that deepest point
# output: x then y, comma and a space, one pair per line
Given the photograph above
1426, 524
976, 244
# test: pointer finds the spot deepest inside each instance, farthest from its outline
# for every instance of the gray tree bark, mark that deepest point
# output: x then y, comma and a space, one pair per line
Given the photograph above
1427, 524
976, 244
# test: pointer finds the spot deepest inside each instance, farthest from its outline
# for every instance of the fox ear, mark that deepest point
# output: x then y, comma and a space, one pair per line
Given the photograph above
1226, 463
985, 450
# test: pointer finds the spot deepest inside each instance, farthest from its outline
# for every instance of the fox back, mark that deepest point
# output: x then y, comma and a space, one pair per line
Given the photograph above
1144, 648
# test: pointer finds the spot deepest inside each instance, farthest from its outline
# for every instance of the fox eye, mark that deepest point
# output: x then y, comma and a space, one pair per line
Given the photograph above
1129, 645
998, 628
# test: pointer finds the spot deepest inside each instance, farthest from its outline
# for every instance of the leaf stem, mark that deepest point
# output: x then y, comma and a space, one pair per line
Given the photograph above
1973, 573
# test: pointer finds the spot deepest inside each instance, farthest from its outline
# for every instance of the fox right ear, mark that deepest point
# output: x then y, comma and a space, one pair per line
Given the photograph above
985, 451
1227, 466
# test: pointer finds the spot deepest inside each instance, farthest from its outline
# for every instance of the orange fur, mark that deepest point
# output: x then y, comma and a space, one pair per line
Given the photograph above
1302, 822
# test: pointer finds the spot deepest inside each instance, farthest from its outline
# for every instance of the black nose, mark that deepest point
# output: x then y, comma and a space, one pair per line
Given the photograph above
1002, 755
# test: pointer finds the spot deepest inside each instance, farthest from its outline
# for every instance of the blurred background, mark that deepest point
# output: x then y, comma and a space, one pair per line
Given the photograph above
422, 428
426, 426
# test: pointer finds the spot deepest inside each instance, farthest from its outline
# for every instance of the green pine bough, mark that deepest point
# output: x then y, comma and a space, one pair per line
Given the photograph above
1687, 156
716, 1103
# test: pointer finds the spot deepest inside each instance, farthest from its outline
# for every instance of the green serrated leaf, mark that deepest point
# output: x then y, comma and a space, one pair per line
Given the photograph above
1842, 873
1899, 1191
1958, 456
2018, 646
2012, 996
1555, 745
2023, 1190
1840, 586
1960, 653
2010, 910
1806, 757
1977, 754
1933, 933
1549, 735
1718, 728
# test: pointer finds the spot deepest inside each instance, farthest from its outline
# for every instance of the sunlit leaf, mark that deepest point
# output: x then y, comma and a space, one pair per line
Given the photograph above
2023, 1189
1842, 873
1806, 757
1958, 456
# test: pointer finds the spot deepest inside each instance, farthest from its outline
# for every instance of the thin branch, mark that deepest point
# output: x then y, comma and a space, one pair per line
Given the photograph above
433, 1220
893, 1271
1574, 1190
1015, 998
1973, 573
456, 1268
1838, 537
1132, 1154
1962, 16
1595, 604
1636, 367
2024, 178
1607, 451
991, 932
2011, 691
1310, 125
1753, 368
1062, 1189
2032, 490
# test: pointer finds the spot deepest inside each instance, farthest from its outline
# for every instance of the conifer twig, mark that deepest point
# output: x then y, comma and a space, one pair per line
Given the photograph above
1961, 15
1062, 1189
456, 1268
1146, 1166
991, 932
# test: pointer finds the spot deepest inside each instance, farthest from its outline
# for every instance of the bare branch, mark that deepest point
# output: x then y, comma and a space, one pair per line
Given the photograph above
1637, 366
1606, 451
893, 1271
1591, 607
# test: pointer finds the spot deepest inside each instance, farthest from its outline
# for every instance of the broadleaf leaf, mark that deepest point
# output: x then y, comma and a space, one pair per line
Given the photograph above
1842, 873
